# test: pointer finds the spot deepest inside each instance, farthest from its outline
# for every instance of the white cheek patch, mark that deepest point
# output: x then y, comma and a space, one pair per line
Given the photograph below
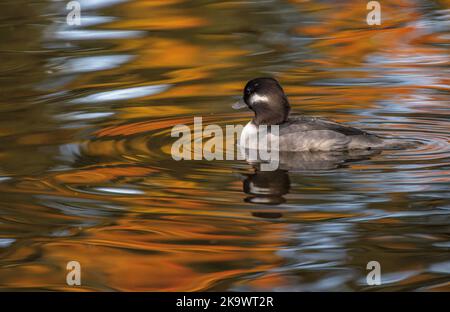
258, 98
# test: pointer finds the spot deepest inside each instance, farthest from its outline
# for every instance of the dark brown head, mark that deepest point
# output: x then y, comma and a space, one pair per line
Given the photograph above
266, 98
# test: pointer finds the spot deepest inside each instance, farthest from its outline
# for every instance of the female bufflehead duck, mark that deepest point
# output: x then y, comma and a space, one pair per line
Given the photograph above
266, 98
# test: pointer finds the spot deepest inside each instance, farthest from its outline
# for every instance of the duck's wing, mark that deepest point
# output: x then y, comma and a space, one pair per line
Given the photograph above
318, 134
303, 124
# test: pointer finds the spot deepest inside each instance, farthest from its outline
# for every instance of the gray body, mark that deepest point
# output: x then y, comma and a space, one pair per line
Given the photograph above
318, 134
312, 134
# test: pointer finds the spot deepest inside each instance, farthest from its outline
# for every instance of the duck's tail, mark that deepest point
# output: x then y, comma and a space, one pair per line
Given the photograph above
380, 143
395, 144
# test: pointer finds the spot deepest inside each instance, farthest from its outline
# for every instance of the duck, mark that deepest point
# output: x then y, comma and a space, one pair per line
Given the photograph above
267, 99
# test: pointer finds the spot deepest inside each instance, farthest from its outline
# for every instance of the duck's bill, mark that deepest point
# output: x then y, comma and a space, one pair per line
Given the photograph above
239, 104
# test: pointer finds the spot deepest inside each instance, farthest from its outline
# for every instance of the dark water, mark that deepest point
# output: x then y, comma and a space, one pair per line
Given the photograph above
86, 172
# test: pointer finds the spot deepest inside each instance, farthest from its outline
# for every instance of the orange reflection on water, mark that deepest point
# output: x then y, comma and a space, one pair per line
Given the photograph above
87, 174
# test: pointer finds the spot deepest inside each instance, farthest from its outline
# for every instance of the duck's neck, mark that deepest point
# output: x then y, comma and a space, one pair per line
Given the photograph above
264, 116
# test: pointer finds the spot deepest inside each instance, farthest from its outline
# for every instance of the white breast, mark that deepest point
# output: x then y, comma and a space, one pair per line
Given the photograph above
253, 138
249, 136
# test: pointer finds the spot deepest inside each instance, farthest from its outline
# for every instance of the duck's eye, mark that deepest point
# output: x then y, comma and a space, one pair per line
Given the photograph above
248, 90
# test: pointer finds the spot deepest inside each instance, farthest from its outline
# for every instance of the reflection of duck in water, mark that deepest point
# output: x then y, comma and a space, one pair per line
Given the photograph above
304, 161
266, 98
269, 187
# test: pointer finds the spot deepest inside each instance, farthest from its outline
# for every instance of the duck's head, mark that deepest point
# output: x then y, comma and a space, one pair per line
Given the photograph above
266, 98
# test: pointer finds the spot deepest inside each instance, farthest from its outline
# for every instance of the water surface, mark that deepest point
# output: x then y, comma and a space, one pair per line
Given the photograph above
86, 172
